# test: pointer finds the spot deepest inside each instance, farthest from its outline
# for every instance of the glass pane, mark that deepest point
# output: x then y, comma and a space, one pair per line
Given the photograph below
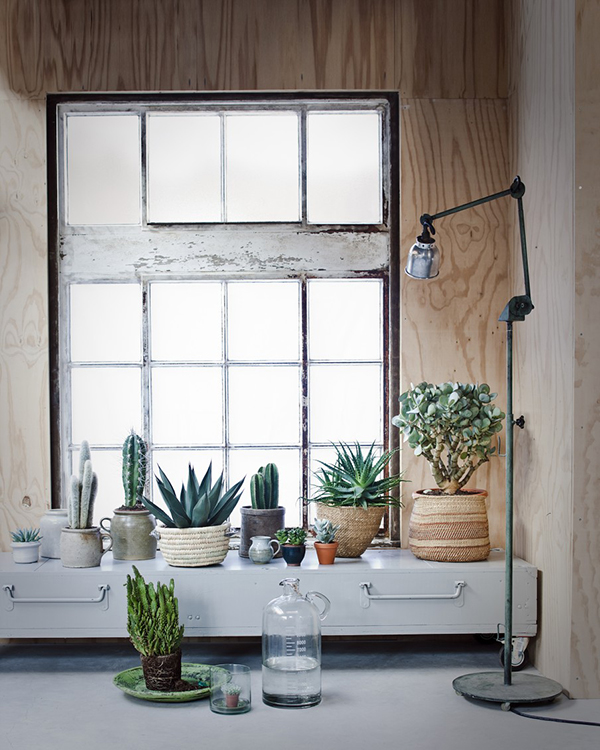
106, 404
184, 168
175, 466
186, 321
246, 462
187, 405
345, 403
262, 178
344, 168
107, 465
103, 169
105, 322
264, 405
344, 319
263, 320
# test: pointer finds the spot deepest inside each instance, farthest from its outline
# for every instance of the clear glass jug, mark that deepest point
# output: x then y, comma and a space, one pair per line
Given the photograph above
291, 648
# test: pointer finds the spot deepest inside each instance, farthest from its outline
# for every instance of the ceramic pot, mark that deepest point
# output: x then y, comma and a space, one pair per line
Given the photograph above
293, 554
326, 552
51, 524
26, 552
131, 534
261, 550
83, 548
259, 522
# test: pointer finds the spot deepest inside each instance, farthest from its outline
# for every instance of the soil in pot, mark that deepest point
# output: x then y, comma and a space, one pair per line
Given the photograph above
163, 673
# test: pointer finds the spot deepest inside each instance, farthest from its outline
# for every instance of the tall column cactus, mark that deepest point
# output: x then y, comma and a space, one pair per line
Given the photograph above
134, 469
264, 487
83, 492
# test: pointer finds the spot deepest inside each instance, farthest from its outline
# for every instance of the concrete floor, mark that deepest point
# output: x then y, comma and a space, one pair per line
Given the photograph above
384, 694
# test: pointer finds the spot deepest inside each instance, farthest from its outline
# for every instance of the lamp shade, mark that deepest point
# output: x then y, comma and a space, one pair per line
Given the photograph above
423, 260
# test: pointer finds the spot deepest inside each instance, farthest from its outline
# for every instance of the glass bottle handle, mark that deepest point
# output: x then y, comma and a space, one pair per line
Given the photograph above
315, 594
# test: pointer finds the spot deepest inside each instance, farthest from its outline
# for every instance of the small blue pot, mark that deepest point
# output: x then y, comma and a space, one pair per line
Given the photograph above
293, 554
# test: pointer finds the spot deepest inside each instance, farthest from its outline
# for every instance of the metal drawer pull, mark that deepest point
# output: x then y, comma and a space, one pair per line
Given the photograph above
12, 600
366, 598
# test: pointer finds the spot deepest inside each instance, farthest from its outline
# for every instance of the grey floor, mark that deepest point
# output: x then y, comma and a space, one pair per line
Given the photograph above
392, 693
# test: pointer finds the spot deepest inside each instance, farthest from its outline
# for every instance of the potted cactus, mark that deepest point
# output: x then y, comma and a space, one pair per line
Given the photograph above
132, 524
231, 692
265, 515
26, 545
196, 533
325, 544
293, 546
155, 632
81, 543
452, 426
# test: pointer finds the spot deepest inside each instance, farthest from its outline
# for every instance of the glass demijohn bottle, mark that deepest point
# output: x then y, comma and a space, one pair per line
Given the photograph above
291, 648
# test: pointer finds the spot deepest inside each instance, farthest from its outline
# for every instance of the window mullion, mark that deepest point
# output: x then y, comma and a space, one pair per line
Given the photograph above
146, 370
305, 468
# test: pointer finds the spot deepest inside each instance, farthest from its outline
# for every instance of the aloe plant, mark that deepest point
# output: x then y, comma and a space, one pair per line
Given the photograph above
352, 479
199, 504
25, 535
324, 530
452, 426
264, 487
134, 469
83, 490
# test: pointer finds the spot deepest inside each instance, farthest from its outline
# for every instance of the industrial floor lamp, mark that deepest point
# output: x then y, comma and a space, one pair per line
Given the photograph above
424, 263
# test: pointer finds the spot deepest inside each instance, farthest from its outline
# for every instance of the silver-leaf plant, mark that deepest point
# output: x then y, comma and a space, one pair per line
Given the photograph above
452, 426
83, 490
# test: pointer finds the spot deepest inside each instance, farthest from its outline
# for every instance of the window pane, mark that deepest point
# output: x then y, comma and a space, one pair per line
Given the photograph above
262, 179
184, 168
264, 405
175, 466
246, 462
343, 168
186, 321
345, 403
103, 169
345, 319
106, 404
108, 466
263, 320
187, 405
105, 322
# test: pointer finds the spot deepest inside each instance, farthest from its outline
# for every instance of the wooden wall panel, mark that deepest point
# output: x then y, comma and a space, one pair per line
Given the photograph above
454, 152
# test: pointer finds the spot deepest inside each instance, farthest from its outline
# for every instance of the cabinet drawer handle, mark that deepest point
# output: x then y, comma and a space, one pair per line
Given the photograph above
366, 598
12, 600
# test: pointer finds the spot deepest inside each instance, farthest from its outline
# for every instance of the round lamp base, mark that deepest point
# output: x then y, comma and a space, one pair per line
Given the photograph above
524, 688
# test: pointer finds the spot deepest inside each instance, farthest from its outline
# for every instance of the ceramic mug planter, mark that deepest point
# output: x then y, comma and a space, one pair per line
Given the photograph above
293, 554
261, 550
51, 524
26, 552
83, 548
131, 532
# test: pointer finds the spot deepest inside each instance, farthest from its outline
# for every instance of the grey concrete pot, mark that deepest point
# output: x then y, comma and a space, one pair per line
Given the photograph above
131, 534
259, 522
83, 548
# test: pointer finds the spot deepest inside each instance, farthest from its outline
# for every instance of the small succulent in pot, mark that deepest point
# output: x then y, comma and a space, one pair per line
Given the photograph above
324, 530
452, 426
25, 545
295, 536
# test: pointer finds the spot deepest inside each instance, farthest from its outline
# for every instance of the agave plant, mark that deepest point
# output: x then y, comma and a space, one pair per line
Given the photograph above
352, 480
25, 535
199, 504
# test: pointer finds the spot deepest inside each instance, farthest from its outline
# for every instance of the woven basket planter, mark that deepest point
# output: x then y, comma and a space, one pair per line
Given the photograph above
194, 547
449, 528
357, 527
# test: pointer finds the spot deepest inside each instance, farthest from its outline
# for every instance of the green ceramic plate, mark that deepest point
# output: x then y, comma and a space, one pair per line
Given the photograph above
131, 681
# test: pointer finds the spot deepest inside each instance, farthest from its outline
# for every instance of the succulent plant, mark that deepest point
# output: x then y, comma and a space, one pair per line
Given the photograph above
296, 536
153, 616
452, 426
264, 487
83, 492
324, 530
134, 469
352, 480
199, 504
25, 535
231, 689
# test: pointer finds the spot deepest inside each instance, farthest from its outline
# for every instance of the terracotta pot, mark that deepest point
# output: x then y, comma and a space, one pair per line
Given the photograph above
231, 701
259, 522
357, 527
449, 528
131, 531
162, 672
326, 552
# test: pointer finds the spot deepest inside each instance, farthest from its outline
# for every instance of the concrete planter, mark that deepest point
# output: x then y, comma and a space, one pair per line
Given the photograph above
83, 548
131, 531
259, 522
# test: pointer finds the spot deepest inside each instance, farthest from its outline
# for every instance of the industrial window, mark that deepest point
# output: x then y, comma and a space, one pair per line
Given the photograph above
221, 281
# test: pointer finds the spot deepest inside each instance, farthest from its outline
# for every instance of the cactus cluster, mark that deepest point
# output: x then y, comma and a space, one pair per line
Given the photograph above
152, 616
324, 530
264, 488
83, 492
134, 469
26, 535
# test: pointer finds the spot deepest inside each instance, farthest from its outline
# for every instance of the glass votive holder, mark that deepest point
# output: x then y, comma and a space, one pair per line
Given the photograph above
230, 689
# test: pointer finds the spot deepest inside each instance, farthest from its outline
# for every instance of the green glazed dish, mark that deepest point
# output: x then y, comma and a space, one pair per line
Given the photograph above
131, 681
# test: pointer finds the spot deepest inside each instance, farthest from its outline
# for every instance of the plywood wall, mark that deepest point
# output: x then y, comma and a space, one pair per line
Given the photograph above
446, 59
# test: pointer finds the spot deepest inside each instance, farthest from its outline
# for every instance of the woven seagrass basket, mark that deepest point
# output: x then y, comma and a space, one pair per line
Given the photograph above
449, 528
357, 527
194, 547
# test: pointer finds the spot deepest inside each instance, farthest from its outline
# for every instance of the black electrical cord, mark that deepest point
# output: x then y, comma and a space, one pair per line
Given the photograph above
549, 718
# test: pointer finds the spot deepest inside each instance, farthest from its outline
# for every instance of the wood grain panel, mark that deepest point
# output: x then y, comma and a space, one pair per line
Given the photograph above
453, 152
451, 49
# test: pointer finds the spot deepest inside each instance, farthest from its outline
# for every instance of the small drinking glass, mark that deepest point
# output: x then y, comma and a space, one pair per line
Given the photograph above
230, 689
